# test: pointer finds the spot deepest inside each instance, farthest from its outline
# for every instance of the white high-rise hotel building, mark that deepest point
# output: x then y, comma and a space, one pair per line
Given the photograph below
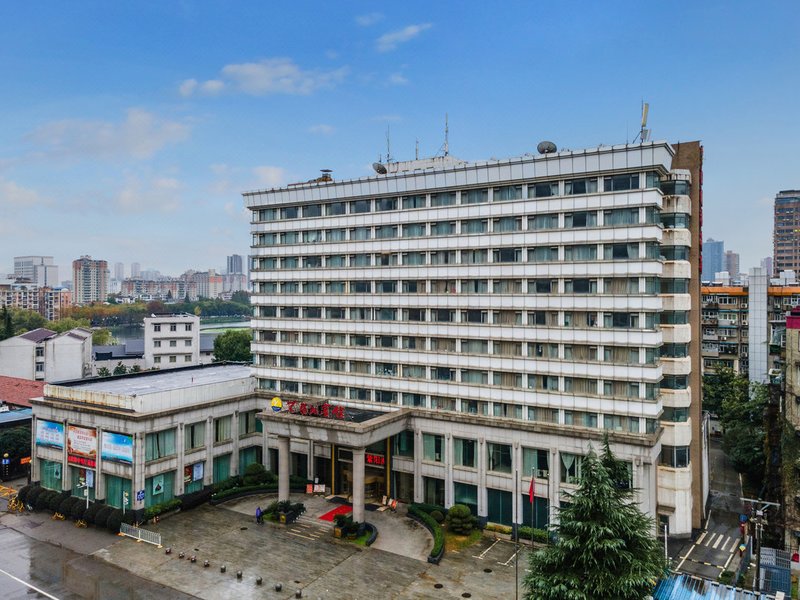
515, 310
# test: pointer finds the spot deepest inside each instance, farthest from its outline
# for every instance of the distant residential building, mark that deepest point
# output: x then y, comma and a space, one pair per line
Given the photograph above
235, 264
165, 289
744, 326
48, 302
119, 271
131, 354
209, 283
730, 263
136, 270
38, 270
786, 231
16, 392
712, 259
171, 341
90, 280
45, 355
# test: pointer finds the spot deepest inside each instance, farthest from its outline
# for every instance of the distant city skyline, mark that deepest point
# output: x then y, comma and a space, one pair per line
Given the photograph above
131, 132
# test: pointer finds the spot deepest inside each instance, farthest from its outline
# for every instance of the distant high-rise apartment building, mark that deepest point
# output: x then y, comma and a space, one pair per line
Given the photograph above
235, 264
766, 264
89, 280
712, 258
136, 270
38, 270
119, 271
786, 231
730, 263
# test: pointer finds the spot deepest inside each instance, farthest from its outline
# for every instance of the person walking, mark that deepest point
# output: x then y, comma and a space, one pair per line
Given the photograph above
259, 515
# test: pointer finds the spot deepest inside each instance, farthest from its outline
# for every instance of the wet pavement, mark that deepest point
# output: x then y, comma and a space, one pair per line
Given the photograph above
74, 563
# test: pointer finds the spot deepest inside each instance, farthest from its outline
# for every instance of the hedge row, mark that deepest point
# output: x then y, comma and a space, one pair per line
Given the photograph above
72, 507
236, 485
539, 535
157, 509
431, 525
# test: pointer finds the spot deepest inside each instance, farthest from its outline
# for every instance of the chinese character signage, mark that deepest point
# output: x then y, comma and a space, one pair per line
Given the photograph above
82, 446
117, 447
375, 459
328, 411
50, 433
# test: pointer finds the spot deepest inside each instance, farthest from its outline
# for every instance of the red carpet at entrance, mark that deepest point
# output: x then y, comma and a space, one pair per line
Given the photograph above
339, 510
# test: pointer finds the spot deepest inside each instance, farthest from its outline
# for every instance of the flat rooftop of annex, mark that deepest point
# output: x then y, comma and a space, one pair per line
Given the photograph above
154, 382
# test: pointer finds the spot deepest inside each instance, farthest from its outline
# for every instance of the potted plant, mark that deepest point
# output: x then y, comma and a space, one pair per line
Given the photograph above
340, 525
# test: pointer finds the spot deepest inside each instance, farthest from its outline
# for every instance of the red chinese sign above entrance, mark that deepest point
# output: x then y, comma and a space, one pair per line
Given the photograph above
375, 459
328, 411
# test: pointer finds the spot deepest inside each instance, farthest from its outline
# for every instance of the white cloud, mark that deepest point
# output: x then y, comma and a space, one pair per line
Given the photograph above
322, 129
369, 19
187, 87
269, 76
153, 194
13, 194
269, 177
139, 136
390, 41
397, 79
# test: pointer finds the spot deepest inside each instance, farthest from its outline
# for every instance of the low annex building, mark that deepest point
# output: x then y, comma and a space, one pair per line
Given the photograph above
147, 437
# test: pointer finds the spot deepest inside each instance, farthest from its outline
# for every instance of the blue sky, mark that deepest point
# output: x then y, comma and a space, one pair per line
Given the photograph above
129, 130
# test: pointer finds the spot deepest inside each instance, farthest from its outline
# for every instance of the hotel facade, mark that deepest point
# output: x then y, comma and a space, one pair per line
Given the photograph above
487, 323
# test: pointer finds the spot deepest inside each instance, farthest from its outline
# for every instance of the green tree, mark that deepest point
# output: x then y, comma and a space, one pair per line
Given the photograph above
103, 372
7, 327
26, 320
604, 548
101, 337
120, 369
241, 297
233, 346
721, 385
67, 324
16, 441
744, 431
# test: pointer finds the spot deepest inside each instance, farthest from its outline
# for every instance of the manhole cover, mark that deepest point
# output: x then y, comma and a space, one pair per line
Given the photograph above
487, 570
438, 586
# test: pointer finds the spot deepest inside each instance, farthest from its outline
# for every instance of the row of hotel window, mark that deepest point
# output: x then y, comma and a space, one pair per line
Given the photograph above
546, 189
626, 355
539, 254
161, 444
576, 319
172, 326
570, 220
499, 457
577, 285
545, 383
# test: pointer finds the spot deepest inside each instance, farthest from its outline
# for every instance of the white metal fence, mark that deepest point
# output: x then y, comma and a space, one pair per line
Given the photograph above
142, 535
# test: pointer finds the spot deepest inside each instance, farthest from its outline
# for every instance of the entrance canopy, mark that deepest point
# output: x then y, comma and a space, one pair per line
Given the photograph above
329, 424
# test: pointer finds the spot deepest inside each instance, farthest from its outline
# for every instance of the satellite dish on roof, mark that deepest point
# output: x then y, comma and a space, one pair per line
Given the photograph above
380, 168
546, 147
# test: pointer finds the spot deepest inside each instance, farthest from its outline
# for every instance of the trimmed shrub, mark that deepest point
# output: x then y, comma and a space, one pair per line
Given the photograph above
65, 508
92, 511
162, 507
114, 520
431, 525
226, 484
101, 517
437, 516
267, 488
195, 499
255, 474
429, 508
295, 481
78, 510
22, 494
43, 500
33, 494
129, 517
460, 519
57, 499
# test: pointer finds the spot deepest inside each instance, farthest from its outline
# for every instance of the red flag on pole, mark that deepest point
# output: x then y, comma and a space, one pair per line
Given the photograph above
531, 490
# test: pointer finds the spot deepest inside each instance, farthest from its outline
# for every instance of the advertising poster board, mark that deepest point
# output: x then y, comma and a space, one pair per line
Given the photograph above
82, 446
50, 433
117, 447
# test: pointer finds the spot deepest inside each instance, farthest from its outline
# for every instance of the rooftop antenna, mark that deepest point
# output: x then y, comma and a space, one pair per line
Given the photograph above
644, 133
416, 150
388, 145
446, 135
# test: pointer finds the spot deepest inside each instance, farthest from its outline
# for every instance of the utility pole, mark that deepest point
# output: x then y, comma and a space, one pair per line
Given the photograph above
759, 520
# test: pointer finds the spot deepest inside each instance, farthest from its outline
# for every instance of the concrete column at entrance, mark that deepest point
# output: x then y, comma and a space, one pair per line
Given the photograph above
358, 485
637, 483
99, 478
208, 471
179, 446
483, 495
311, 473
138, 470
283, 468
34, 466
419, 492
265, 451
235, 435
448, 477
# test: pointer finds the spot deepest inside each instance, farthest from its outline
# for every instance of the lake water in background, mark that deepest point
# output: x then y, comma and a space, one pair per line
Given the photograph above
123, 333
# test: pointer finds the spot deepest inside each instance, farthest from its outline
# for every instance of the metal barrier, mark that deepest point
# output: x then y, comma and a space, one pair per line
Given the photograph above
139, 534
